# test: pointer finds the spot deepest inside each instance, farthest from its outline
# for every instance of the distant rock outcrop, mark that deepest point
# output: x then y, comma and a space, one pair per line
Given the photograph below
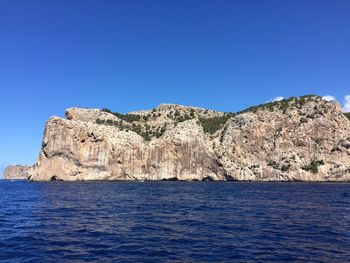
299, 139
16, 172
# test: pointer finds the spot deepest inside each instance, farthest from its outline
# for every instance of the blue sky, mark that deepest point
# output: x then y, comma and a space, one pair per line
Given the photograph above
128, 55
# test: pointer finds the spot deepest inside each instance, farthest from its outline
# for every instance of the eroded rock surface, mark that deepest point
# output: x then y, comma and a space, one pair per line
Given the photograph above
16, 172
300, 139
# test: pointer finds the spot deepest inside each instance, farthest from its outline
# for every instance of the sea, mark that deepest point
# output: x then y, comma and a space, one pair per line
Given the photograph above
174, 222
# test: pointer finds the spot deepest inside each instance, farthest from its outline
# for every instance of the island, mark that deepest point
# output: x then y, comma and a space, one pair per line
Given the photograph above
297, 139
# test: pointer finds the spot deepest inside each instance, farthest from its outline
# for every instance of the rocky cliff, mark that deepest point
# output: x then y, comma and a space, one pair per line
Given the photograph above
14, 172
299, 139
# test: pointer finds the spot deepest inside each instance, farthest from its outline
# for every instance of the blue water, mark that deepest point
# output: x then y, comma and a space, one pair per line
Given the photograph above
174, 222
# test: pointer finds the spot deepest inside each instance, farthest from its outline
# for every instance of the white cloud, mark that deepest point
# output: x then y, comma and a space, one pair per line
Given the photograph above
329, 98
279, 98
346, 107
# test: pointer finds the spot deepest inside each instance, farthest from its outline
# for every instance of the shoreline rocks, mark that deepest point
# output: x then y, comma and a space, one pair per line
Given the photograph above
16, 172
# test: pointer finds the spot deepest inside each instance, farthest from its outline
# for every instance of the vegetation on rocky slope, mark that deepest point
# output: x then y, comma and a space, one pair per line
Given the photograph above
347, 115
211, 125
145, 131
284, 167
146, 124
139, 123
126, 117
313, 166
284, 104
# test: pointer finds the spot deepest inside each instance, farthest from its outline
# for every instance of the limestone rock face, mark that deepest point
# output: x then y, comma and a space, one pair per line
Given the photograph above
75, 150
88, 115
14, 172
300, 139
280, 146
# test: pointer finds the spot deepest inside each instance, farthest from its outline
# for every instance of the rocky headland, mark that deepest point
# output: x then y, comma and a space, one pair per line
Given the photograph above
298, 139
16, 172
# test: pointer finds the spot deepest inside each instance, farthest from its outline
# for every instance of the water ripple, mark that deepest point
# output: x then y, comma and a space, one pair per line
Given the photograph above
174, 222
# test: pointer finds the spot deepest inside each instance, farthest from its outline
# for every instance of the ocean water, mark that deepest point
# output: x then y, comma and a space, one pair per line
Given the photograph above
174, 222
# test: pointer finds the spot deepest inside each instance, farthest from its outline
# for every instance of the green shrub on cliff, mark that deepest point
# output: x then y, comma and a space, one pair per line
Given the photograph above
106, 110
283, 105
183, 118
313, 166
273, 164
129, 117
107, 122
98, 121
211, 125
347, 115
283, 167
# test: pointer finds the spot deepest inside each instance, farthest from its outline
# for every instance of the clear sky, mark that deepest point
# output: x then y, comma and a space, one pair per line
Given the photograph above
128, 55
